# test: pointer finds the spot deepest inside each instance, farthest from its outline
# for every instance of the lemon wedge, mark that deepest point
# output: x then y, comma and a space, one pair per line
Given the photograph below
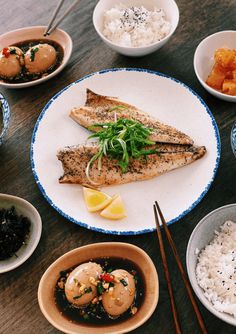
95, 200
115, 210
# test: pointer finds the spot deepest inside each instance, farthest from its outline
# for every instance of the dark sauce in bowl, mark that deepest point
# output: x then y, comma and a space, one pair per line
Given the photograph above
94, 313
24, 76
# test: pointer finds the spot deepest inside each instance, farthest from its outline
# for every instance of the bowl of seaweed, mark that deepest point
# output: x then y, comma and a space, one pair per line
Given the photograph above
20, 231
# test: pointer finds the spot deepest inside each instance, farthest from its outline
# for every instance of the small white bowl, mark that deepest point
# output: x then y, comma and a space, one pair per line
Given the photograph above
204, 58
172, 15
27, 210
201, 236
29, 33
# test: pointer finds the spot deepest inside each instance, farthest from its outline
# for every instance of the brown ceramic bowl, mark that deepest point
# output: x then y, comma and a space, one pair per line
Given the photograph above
79, 255
31, 33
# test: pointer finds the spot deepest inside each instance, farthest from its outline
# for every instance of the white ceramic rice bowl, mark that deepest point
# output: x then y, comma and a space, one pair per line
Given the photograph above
201, 236
172, 15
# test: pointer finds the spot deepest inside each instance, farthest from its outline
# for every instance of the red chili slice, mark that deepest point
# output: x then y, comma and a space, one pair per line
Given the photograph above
107, 278
6, 52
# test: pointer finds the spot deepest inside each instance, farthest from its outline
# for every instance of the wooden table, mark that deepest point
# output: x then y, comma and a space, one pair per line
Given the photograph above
19, 311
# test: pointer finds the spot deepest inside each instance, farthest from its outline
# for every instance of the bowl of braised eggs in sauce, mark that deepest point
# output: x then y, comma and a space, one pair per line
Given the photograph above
104, 288
28, 58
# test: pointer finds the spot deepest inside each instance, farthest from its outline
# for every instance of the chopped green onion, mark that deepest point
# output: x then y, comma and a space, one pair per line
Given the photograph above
32, 53
123, 282
88, 290
77, 297
100, 288
13, 51
121, 140
117, 108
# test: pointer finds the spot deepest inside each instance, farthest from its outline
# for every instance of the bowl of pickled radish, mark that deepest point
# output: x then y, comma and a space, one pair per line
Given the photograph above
215, 64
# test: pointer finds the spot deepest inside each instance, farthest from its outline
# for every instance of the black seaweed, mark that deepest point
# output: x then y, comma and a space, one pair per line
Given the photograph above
13, 232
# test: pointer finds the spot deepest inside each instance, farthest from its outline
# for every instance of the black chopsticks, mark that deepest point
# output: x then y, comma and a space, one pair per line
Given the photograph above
51, 28
157, 211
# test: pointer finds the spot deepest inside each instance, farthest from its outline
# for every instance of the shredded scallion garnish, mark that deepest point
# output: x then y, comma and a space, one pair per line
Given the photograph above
32, 53
121, 140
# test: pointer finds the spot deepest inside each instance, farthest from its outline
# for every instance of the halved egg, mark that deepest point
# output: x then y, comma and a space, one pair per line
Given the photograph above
80, 286
119, 298
39, 58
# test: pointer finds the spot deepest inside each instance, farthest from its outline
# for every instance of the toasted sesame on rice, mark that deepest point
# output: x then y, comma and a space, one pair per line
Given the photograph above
135, 26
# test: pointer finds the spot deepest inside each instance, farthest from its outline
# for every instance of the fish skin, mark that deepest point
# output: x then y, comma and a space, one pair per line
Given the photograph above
75, 159
96, 111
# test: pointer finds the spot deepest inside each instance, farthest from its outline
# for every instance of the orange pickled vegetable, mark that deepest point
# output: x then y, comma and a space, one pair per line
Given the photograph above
225, 58
229, 87
234, 74
216, 77
223, 73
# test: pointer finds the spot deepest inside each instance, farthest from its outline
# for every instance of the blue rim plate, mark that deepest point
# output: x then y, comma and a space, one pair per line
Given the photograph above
174, 103
233, 139
5, 110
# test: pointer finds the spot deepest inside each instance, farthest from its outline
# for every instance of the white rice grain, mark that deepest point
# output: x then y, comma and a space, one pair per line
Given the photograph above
135, 26
216, 269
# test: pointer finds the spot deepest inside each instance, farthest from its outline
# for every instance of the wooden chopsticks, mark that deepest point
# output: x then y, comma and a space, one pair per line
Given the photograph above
157, 211
51, 28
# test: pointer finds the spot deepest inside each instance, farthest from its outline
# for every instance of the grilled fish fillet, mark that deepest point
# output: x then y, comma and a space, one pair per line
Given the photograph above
97, 109
75, 159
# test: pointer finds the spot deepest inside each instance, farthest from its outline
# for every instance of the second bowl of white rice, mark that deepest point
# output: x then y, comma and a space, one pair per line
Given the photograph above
211, 262
117, 25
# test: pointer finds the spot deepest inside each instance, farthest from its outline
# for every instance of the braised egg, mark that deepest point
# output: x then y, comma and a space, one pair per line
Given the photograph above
120, 297
39, 58
11, 62
81, 284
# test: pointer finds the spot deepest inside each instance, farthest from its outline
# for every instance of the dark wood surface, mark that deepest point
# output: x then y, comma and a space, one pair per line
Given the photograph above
19, 311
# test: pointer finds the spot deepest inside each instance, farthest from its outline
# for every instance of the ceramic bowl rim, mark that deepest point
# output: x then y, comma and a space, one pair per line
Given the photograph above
208, 88
197, 289
6, 114
233, 138
65, 60
28, 251
139, 48
89, 246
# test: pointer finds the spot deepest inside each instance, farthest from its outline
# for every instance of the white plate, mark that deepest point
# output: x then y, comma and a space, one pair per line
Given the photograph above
178, 191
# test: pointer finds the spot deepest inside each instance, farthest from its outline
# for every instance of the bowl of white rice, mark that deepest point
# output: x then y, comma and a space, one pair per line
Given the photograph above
211, 262
135, 27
